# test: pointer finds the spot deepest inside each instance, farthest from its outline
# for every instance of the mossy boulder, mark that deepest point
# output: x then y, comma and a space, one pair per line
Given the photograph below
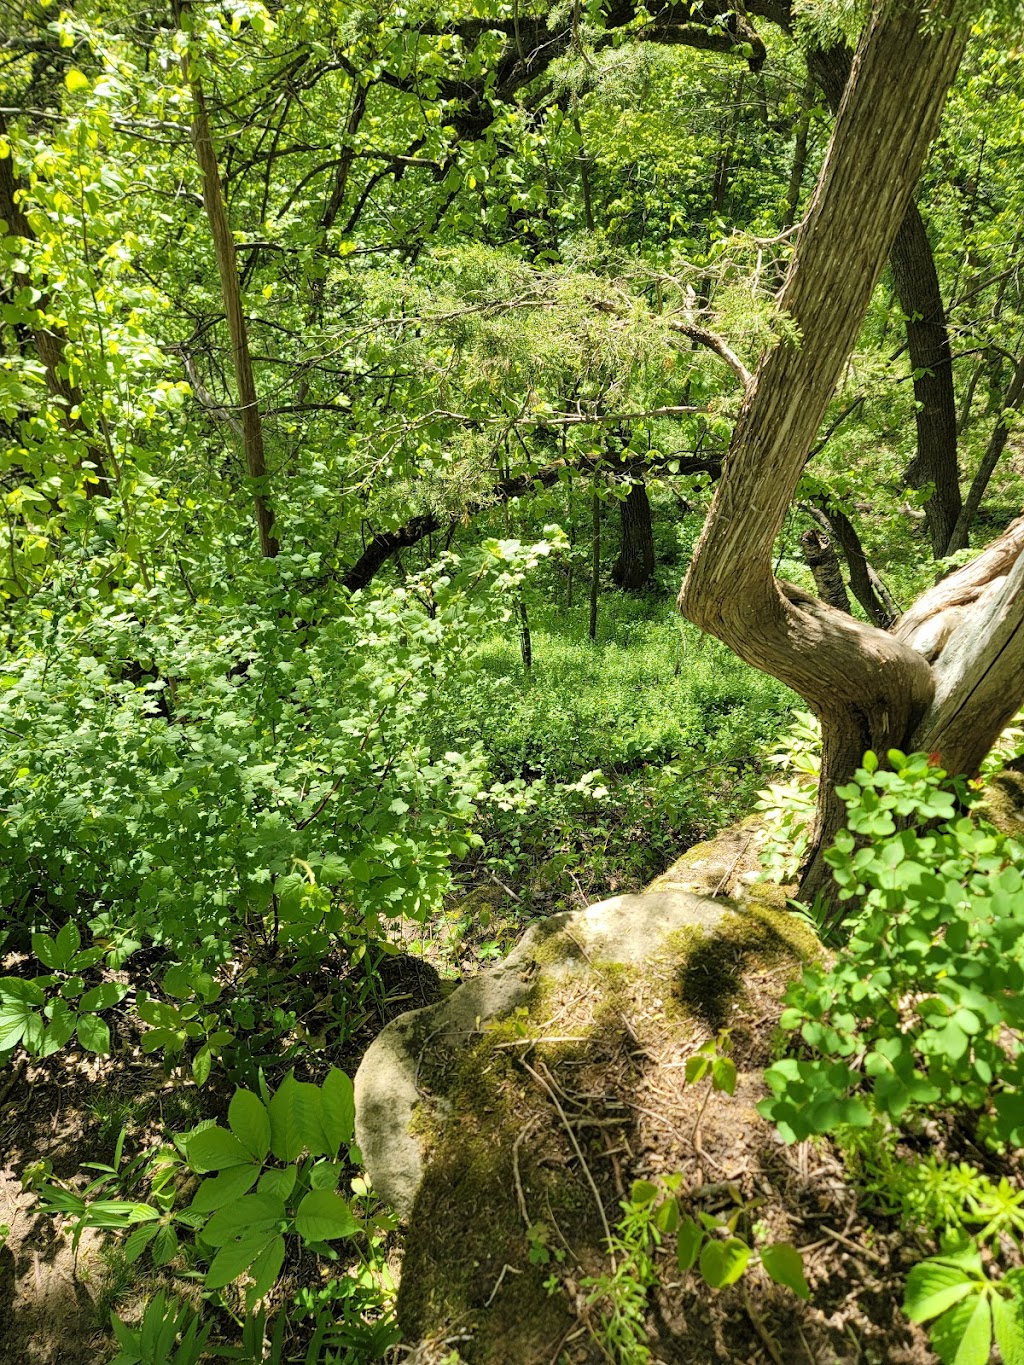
487, 1119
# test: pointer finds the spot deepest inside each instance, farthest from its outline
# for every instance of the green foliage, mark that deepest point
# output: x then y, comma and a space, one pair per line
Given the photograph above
914, 1010
965, 1309
170, 1334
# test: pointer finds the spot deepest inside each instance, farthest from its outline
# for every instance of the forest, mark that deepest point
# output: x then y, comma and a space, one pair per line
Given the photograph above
511, 741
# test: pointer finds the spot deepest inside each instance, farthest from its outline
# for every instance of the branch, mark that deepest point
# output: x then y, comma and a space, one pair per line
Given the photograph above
715, 343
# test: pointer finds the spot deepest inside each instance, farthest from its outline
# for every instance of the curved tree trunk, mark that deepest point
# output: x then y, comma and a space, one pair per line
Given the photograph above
635, 564
870, 689
917, 288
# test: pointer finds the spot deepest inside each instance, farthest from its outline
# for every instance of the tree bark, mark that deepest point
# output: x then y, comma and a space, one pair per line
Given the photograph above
917, 288
635, 564
993, 452
821, 558
869, 689
231, 295
865, 584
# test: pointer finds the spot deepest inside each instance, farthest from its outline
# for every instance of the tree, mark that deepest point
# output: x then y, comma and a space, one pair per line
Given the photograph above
952, 674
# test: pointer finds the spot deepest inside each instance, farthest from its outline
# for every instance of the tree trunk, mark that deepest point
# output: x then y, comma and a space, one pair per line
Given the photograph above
823, 562
993, 451
635, 564
869, 689
917, 288
231, 294
595, 565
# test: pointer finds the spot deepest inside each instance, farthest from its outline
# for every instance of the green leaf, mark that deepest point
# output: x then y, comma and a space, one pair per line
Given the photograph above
963, 1334
265, 1270
234, 1259
785, 1265
323, 1216
295, 1121
15, 990
76, 80
93, 1034
137, 1241
250, 1122
932, 1288
252, 1214
215, 1149
46, 950
103, 996
643, 1192
338, 1110
222, 1189
279, 1184
723, 1075
202, 1064
165, 1245
722, 1263
1008, 1320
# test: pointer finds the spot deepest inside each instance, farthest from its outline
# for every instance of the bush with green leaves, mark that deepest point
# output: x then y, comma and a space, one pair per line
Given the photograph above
44, 1012
919, 1013
917, 1008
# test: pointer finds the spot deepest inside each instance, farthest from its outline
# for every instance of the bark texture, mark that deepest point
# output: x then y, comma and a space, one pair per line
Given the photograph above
917, 288
231, 295
869, 688
635, 564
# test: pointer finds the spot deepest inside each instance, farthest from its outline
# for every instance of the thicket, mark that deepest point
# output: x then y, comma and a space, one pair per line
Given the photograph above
366, 381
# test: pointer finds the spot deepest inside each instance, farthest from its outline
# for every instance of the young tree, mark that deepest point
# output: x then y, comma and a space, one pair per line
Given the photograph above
952, 674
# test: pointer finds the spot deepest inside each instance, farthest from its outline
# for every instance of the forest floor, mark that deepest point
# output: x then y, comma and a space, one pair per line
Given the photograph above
637, 1122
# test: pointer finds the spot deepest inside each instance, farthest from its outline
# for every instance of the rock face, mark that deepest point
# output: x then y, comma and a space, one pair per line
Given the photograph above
475, 1115
390, 1086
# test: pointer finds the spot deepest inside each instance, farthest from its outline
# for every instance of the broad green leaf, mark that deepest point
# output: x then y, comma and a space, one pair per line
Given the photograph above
165, 1245
785, 1266
643, 1192
338, 1110
722, 1263
324, 1215
247, 1216
202, 1063
723, 1075
1008, 1321
93, 1034
215, 1149
265, 1270
690, 1240
137, 1241
932, 1288
14, 989
295, 1121
278, 1183
234, 1259
221, 1189
46, 950
250, 1122
76, 80
963, 1334
103, 997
